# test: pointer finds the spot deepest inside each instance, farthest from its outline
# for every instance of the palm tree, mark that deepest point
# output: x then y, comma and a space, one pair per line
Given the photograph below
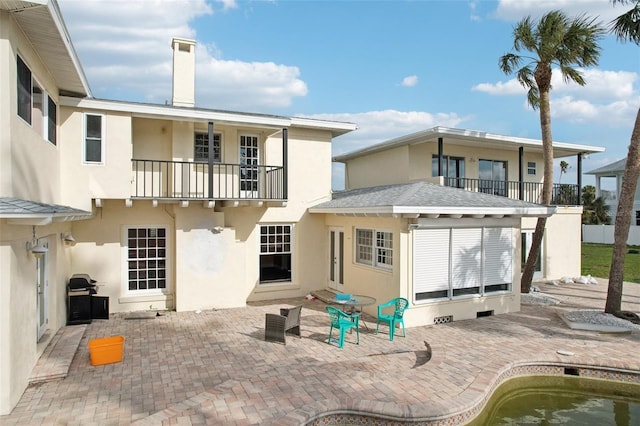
553, 40
627, 28
564, 166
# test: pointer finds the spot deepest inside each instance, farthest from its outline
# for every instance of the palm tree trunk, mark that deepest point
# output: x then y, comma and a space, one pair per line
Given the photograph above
547, 188
623, 221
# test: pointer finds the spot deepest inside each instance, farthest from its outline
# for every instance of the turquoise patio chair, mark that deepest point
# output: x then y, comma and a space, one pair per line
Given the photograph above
399, 305
342, 322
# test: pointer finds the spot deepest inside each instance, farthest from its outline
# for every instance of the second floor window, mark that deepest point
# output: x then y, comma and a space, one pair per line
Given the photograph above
531, 168
453, 167
94, 139
24, 91
201, 147
35, 106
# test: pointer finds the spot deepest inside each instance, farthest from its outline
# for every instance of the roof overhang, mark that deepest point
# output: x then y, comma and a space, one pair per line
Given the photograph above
42, 23
438, 211
170, 112
24, 212
466, 137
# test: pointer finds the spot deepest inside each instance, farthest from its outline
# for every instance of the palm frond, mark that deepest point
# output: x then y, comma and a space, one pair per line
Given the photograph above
509, 62
626, 27
572, 74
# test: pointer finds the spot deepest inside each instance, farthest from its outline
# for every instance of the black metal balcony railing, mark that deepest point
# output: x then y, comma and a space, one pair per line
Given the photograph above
188, 180
563, 194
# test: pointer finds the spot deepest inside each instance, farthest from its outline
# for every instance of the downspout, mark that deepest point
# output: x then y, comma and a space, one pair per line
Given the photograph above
285, 174
579, 166
440, 155
521, 173
210, 159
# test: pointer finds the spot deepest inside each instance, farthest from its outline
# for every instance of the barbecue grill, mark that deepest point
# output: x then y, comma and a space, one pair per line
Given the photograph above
83, 303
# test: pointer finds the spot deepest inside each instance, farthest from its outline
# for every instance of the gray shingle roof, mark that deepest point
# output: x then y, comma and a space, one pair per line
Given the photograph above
16, 208
616, 166
427, 198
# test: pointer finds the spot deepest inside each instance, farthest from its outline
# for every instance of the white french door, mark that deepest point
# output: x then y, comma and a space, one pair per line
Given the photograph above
249, 170
527, 237
336, 259
42, 295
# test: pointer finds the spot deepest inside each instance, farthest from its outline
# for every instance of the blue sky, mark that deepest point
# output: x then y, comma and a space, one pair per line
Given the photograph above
392, 67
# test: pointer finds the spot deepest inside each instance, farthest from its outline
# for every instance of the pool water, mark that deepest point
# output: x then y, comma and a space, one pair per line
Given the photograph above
562, 400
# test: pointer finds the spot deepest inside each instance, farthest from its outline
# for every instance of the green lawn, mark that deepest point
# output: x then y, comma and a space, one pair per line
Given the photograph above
596, 261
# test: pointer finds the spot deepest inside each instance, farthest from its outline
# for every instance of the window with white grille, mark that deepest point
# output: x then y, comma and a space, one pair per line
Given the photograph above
147, 259
275, 253
374, 248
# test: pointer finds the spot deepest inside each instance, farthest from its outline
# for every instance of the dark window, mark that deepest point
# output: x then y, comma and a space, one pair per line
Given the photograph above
52, 116
93, 139
201, 147
24, 91
275, 253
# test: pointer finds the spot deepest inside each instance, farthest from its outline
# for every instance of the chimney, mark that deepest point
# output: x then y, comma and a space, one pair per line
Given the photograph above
184, 72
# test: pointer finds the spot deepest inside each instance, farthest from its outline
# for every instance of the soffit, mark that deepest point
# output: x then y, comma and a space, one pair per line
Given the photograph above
42, 24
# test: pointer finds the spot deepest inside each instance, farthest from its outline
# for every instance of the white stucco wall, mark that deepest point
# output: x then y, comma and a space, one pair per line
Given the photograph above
18, 314
561, 243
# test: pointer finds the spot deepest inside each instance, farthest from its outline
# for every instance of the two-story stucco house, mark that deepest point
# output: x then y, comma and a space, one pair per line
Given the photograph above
444, 218
613, 173
165, 206
179, 207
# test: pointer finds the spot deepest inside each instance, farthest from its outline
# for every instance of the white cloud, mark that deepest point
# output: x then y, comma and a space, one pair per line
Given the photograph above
379, 126
508, 88
132, 39
515, 10
228, 4
609, 97
409, 81
254, 85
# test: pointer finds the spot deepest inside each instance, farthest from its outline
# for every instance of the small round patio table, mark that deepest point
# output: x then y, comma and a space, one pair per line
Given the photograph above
355, 301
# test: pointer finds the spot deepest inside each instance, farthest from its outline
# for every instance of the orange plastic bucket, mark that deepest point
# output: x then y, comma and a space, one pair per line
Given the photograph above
106, 350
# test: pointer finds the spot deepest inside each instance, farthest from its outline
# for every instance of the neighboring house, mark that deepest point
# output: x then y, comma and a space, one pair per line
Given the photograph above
449, 222
604, 233
166, 206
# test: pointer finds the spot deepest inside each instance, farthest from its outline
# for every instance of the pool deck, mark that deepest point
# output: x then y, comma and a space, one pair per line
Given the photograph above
214, 367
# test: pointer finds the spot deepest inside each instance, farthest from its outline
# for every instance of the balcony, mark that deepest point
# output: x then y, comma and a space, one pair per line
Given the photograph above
189, 180
563, 194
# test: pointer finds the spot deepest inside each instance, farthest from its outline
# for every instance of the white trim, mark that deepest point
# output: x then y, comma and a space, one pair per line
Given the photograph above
292, 251
202, 115
536, 211
468, 135
124, 289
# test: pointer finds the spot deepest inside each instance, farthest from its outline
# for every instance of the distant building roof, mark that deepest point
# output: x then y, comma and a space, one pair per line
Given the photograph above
616, 166
423, 198
488, 140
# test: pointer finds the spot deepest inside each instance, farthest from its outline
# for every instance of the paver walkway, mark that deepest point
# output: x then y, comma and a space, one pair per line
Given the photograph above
214, 367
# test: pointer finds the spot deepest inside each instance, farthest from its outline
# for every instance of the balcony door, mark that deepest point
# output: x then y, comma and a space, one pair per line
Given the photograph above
249, 171
336, 259
492, 175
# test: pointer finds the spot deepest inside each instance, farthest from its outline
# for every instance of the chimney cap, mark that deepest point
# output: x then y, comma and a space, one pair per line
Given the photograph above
181, 40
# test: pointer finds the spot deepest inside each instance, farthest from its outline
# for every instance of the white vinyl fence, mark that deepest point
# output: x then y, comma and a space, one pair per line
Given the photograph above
603, 234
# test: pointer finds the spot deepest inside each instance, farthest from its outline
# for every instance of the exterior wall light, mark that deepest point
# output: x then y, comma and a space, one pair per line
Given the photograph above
66, 237
36, 248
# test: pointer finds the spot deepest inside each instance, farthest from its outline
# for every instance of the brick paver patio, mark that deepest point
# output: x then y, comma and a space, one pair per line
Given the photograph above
214, 367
